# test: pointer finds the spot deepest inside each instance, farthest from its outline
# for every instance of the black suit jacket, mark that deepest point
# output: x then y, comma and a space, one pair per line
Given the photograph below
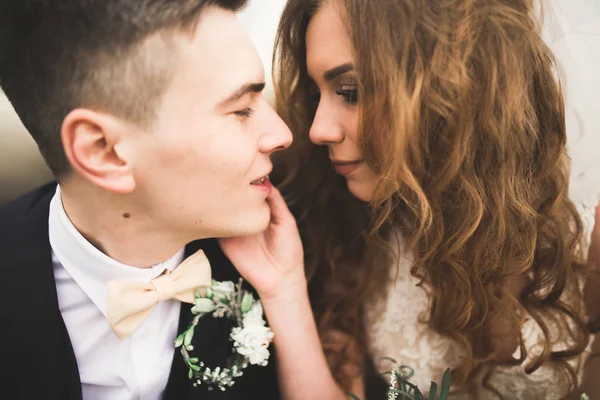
36, 357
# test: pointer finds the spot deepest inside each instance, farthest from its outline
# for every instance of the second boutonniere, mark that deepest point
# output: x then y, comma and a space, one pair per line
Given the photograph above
250, 335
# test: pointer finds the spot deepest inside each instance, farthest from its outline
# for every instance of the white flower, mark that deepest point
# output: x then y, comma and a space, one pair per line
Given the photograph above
259, 357
222, 290
254, 316
391, 394
252, 341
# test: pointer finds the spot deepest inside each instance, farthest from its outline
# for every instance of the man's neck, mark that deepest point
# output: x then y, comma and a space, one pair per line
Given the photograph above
118, 229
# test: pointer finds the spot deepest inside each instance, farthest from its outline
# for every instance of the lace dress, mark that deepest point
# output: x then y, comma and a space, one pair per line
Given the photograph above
397, 331
572, 30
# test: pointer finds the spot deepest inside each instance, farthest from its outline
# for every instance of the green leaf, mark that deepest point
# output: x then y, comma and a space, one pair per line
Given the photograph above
189, 334
191, 374
247, 303
179, 340
433, 391
195, 367
418, 395
402, 386
445, 388
585, 397
353, 396
194, 360
406, 372
403, 383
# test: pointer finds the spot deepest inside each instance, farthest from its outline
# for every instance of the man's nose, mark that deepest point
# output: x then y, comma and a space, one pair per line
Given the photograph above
277, 136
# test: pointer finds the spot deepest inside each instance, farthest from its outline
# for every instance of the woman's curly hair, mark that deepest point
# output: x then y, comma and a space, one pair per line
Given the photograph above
462, 118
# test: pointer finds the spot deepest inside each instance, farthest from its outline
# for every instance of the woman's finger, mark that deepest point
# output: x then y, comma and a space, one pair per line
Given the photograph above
279, 210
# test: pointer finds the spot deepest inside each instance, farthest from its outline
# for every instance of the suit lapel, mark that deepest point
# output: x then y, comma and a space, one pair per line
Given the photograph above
34, 328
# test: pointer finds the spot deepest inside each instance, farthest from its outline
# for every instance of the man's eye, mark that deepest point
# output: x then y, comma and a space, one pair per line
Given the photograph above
245, 113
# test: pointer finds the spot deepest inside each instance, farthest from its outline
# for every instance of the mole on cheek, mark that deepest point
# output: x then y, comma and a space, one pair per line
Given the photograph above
126, 215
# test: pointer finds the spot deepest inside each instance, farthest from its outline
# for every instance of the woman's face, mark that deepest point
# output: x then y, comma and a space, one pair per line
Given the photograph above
331, 66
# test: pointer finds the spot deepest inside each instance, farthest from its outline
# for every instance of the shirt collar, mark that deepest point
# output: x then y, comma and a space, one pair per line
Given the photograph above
90, 268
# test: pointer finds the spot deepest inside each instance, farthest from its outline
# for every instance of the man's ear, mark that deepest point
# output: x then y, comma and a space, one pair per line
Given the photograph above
91, 141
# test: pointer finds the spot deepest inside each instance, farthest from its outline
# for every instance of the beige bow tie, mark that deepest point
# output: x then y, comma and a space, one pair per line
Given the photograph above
129, 302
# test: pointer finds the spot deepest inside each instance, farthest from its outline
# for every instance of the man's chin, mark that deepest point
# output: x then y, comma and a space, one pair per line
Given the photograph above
253, 222
260, 220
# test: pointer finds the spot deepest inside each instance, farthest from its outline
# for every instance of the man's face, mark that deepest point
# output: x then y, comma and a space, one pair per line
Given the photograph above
197, 172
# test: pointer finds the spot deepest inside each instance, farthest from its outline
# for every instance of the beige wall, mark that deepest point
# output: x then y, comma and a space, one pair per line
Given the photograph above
21, 166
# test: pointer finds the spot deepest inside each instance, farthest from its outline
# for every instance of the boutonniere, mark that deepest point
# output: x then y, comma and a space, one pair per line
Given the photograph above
250, 336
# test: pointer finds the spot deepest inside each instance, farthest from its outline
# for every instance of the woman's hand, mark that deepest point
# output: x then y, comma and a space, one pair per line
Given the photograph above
271, 261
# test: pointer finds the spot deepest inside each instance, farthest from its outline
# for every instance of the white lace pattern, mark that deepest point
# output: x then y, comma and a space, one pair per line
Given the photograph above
397, 331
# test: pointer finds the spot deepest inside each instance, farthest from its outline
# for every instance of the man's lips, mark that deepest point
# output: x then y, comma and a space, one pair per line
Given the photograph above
262, 178
261, 181
263, 184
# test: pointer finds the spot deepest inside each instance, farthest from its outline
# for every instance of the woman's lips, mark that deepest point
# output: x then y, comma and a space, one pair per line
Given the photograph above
346, 167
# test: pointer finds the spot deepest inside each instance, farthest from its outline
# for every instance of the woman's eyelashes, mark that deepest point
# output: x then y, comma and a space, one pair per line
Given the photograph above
349, 93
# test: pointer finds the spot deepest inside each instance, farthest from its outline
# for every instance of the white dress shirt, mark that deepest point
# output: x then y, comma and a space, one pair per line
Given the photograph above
134, 368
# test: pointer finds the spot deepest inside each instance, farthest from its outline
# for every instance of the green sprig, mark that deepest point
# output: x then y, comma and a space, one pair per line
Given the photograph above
402, 389
234, 306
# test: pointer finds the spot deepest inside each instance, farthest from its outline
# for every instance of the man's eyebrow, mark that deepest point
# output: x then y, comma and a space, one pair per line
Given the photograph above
337, 71
241, 92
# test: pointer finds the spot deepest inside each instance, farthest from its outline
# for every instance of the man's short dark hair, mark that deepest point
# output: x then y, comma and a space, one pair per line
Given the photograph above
58, 55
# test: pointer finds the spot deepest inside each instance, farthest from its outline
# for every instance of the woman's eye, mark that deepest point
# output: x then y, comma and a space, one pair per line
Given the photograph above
245, 113
349, 93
